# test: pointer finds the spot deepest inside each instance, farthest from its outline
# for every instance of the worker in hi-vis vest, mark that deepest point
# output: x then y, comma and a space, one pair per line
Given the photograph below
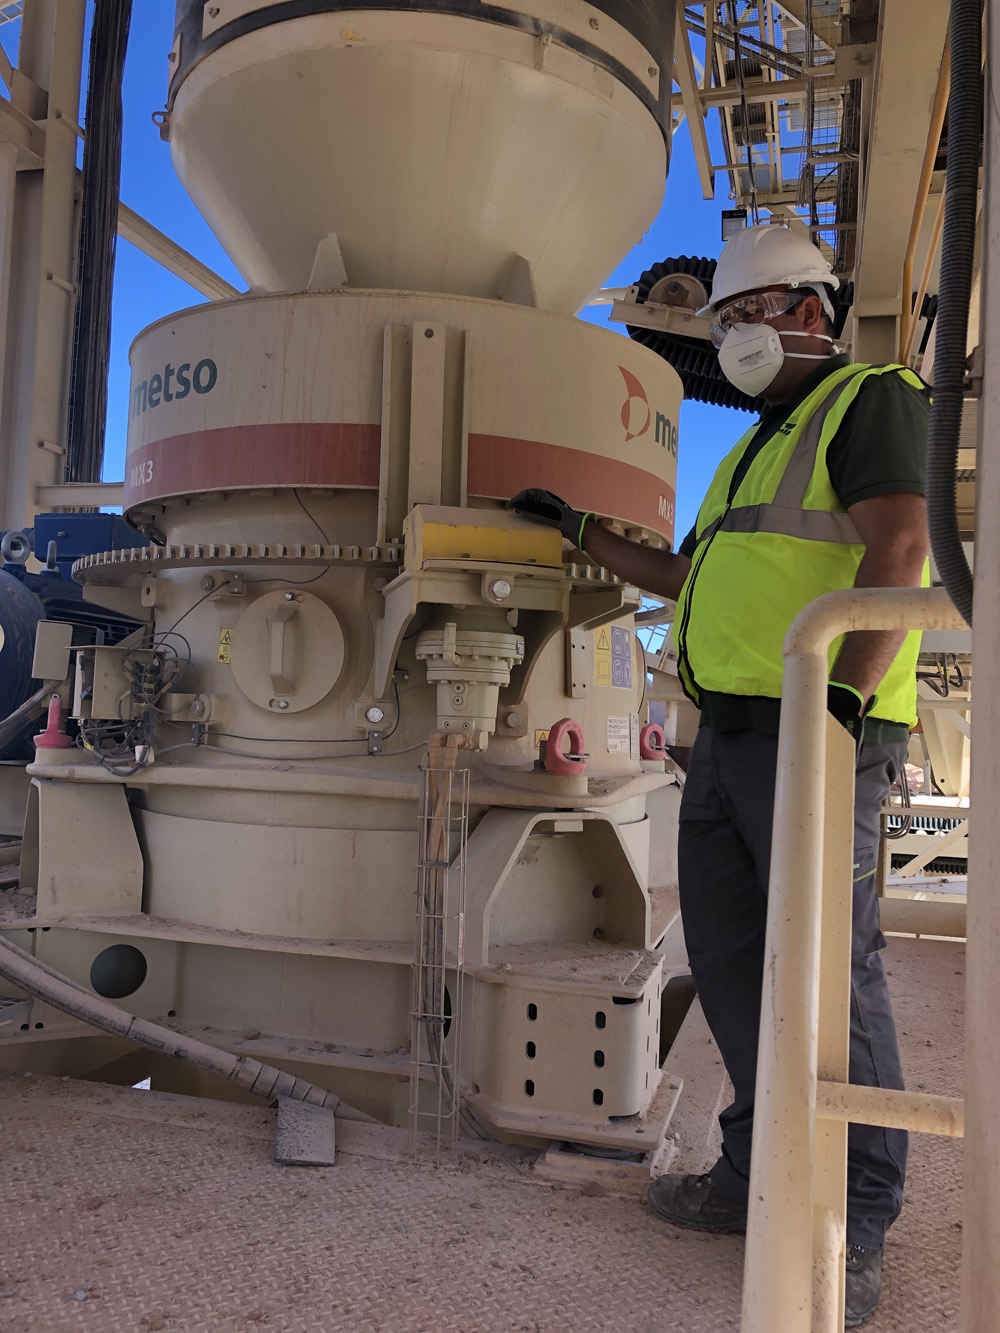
825, 491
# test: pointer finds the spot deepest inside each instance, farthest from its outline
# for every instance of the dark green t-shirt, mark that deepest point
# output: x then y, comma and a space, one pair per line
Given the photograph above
880, 449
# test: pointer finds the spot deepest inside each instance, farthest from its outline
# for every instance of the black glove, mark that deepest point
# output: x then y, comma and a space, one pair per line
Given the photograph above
549, 508
847, 706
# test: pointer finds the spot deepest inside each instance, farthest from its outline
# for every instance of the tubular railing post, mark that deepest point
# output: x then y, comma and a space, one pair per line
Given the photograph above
779, 1266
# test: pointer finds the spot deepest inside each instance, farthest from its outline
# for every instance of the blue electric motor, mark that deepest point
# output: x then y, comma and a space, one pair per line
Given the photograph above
26, 598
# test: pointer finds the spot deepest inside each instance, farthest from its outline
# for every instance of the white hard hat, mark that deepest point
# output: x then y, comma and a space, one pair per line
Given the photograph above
767, 256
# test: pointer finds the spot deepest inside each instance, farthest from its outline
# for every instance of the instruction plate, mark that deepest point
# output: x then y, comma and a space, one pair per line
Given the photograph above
613, 657
619, 735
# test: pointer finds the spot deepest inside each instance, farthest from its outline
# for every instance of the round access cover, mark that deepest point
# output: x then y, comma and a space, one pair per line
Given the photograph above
288, 651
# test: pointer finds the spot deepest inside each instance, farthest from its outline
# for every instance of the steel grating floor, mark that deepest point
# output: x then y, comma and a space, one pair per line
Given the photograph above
129, 1210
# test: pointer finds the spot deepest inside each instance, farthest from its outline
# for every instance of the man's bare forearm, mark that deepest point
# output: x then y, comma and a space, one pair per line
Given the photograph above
657, 572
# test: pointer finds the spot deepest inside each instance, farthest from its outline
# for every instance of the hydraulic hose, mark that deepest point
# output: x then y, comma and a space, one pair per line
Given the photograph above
961, 200
44, 983
12, 726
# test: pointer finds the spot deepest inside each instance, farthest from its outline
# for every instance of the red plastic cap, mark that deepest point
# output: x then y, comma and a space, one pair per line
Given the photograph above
53, 737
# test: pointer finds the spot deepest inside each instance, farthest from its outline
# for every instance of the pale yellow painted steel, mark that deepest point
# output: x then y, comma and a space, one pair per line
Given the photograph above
173, 257
937, 915
777, 1295
981, 1172
923, 1112
833, 1028
903, 97
81, 851
533, 377
489, 145
694, 111
41, 305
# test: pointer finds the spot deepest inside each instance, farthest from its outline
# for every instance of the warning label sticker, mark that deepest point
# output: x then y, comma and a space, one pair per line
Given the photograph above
619, 735
613, 657
541, 734
225, 644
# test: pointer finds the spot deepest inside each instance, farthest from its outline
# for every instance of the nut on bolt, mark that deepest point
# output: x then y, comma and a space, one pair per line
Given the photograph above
500, 590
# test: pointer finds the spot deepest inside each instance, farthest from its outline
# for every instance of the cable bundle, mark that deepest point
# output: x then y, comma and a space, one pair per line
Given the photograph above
98, 237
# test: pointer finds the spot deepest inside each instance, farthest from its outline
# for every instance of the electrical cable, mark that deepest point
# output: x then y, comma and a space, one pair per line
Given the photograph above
311, 517
102, 154
954, 297
162, 634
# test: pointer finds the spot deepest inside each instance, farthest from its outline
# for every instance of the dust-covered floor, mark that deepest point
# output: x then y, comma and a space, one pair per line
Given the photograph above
130, 1210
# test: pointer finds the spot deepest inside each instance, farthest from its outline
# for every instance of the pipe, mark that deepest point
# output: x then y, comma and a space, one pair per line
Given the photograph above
925, 278
909, 316
44, 983
777, 1287
923, 1112
952, 319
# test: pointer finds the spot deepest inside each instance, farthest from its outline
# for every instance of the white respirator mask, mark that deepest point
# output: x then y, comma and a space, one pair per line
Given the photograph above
751, 355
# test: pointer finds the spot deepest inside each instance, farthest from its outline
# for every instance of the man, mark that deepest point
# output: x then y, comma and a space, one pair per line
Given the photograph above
825, 491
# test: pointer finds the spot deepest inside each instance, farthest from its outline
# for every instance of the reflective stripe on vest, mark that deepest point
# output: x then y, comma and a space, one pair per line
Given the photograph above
786, 541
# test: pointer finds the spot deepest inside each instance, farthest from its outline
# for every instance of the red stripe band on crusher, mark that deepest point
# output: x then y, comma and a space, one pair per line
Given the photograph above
345, 454
243, 457
500, 467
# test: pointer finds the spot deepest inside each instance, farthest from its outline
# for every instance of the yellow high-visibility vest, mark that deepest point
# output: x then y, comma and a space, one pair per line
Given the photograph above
783, 540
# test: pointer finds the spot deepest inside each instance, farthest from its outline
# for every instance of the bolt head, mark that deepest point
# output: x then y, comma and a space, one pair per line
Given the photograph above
513, 719
289, 597
282, 703
500, 590
374, 714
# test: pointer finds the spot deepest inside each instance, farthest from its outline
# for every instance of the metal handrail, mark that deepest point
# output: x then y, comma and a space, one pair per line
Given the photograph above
785, 1284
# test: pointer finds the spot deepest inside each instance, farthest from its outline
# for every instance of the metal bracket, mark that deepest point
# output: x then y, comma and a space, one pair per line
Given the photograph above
972, 384
666, 318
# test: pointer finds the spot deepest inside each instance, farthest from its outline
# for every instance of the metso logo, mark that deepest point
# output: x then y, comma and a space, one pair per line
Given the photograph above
637, 415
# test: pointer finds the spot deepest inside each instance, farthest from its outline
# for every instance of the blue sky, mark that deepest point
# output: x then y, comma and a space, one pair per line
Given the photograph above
144, 292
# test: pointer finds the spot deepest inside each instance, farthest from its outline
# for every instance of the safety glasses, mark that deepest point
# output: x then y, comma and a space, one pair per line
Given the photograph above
754, 308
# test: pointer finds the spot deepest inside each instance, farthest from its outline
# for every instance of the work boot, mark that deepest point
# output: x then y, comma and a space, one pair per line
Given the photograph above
864, 1284
694, 1201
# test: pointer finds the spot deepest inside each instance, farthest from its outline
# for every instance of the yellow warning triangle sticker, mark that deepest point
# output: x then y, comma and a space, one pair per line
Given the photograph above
226, 637
604, 642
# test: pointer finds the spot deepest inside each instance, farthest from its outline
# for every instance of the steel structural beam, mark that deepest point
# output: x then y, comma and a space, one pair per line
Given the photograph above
906, 75
173, 257
825, 30
694, 108
77, 494
779, 90
39, 233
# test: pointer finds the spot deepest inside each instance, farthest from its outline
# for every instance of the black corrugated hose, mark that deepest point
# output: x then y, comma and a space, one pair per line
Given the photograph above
98, 238
965, 122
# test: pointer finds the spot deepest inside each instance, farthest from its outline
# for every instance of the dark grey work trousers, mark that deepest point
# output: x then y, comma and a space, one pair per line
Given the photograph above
724, 862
